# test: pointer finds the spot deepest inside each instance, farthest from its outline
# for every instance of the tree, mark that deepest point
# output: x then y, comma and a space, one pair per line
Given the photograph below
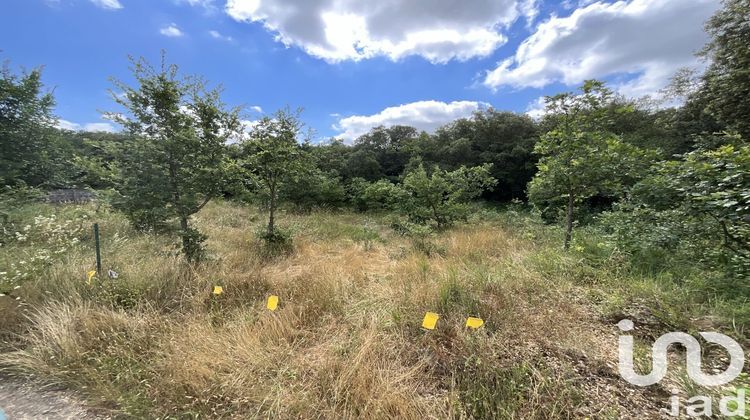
274, 157
96, 156
31, 153
697, 208
363, 163
390, 147
716, 184
504, 139
330, 156
315, 189
442, 197
726, 82
580, 157
174, 163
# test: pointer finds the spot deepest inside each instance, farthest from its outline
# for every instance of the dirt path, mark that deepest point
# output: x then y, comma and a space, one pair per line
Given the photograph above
21, 399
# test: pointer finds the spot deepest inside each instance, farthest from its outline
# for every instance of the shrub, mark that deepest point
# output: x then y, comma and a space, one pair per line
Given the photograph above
317, 189
369, 196
441, 198
274, 244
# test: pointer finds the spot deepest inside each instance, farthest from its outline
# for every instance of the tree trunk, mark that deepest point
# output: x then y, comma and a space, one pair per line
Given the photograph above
569, 221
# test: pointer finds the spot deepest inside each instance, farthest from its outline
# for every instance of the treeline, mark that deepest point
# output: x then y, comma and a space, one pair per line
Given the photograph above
666, 182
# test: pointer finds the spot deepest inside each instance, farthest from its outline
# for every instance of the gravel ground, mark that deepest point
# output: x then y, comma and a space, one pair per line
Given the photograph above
21, 399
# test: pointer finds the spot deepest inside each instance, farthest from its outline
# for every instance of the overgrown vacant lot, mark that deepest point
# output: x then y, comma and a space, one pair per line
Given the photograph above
346, 340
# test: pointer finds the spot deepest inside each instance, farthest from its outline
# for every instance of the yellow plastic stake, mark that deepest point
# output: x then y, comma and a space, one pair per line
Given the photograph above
90, 275
218, 290
430, 320
474, 323
273, 302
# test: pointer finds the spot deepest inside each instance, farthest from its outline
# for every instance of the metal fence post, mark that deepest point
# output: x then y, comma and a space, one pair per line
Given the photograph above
98, 252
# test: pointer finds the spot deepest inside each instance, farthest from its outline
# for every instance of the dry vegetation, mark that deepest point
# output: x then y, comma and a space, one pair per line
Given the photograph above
346, 340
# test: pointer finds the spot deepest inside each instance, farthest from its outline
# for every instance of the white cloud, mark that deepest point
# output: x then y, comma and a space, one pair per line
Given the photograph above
248, 125
257, 109
107, 4
208, 4
530, 10
336, 30
218, 35
171, 30
103, 126
648, 39
67, 125
97, 126
537, 109
423, 115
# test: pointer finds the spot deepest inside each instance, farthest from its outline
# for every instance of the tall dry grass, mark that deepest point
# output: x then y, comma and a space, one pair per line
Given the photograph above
346, 340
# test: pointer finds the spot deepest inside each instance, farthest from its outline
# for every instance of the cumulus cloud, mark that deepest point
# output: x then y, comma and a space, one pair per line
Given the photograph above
107, 4
423, 115
96, 126
647, 39
337, 30
171, 31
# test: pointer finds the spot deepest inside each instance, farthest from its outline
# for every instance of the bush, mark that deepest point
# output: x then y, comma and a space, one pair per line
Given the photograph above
277, 243
421, 237
368, 196
317, 189
697, 209
441, 198
193, 244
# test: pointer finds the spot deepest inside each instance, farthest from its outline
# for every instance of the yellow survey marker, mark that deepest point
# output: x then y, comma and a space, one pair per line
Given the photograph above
273, 302
430, 320
474, 323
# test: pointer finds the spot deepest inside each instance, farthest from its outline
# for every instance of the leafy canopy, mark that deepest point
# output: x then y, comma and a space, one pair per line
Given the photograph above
580, 156
274, 159
175, 161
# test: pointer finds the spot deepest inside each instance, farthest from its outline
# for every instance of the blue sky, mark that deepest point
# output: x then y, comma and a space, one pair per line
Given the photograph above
353, 64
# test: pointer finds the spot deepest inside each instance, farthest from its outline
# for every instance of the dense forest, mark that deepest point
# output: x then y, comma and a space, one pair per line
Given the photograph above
646, 202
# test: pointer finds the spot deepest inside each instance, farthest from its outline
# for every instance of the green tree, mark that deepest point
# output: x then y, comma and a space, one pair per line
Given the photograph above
315, 189
330, 156
442, 197
696, 209
716, 184
362, 163
174, 163
274, 158
31, 151
390, 147
580, 157
726, 83
95, 159
504, 139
